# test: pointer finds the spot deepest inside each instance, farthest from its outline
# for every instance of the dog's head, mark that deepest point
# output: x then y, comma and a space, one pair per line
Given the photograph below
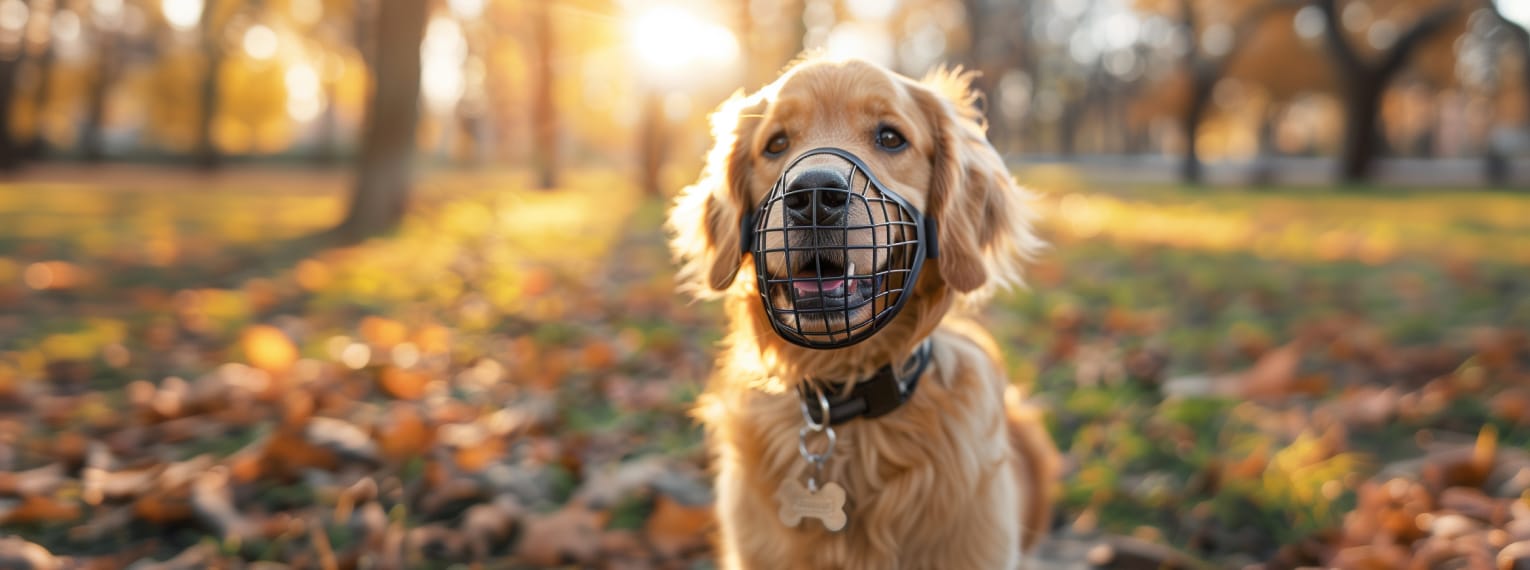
922, 140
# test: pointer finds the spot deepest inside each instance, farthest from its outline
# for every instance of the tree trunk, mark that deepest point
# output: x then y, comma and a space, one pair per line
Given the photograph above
1365, 80
979, 58
95, 104
9, 154
384, 170
1191, 171
653, 142
544, 106
1362, 114
206, 155
1067, 128
38, 146
1264, 168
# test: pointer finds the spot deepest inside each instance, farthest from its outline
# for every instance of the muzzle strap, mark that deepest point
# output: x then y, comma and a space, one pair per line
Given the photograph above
885, 391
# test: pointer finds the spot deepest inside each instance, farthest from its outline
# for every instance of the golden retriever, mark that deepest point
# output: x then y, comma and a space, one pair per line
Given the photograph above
960, 475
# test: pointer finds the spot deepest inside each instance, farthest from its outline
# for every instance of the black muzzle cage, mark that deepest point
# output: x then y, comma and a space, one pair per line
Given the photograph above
823, 301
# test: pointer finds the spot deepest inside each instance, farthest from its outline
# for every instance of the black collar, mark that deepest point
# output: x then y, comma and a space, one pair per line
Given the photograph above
871, 398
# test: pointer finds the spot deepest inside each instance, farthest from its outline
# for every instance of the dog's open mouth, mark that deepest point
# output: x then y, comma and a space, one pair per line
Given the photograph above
825, 285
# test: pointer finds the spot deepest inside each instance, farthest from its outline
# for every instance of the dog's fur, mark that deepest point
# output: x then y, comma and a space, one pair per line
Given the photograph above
958, 477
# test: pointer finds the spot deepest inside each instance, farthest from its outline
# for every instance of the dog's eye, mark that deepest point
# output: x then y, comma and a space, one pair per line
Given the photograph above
890, 139
777, 145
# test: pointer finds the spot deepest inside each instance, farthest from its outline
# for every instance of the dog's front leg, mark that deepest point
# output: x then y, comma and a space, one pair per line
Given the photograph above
750, 534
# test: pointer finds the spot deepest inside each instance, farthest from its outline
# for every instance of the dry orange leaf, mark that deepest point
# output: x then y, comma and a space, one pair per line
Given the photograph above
571, 534
403, 434
42, 508
433, 339
268, 348
311, 274
475, 458
383, 333
674, 529
599, 355
163, 508
289, 453
1274, 374
402, 384
262, 294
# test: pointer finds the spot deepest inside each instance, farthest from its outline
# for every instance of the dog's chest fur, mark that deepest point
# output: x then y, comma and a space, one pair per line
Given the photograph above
922, 482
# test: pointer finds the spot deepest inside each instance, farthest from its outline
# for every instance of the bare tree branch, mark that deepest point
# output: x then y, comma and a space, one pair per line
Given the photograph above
1338, 43
1427, 25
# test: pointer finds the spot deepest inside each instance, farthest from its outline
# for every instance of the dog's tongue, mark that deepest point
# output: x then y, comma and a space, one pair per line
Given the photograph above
813, 286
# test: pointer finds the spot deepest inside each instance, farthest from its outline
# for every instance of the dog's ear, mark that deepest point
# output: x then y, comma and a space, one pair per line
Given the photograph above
704, 222
984, 219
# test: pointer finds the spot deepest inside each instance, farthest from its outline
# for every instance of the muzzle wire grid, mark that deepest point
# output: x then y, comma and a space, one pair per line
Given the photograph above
816, 301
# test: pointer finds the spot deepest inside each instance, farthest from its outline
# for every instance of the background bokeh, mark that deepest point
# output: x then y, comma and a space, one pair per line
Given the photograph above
382, 283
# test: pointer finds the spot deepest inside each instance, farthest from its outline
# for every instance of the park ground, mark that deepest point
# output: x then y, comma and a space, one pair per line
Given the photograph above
1270, 376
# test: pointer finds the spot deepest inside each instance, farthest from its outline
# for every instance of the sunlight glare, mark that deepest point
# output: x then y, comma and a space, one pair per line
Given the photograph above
66, 26
860, 40
260, 42
13, 15
304, 100
181, 14
668, 38
1309, 22
307, 12
107, 13
443, 53
872, 9
1517, 11
466, 9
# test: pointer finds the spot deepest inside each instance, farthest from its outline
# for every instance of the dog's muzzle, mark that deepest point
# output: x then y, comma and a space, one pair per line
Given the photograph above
836, 252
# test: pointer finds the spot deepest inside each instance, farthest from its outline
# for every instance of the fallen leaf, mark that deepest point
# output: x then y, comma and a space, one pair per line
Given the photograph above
402, 384
568, 535
22, 555
268, 348
383, 333
41, 509
674, 529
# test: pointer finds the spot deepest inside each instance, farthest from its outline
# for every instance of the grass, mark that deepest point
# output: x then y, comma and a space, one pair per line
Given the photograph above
1144, 292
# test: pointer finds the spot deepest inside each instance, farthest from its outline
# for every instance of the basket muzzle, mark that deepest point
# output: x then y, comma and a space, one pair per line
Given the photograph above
836, 252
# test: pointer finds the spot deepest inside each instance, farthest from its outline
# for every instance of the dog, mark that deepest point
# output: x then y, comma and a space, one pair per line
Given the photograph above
852, 219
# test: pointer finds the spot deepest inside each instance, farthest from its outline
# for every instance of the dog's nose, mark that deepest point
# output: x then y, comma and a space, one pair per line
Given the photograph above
817, 196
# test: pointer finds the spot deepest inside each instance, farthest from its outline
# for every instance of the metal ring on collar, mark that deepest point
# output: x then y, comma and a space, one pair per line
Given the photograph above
823, 408
815, 458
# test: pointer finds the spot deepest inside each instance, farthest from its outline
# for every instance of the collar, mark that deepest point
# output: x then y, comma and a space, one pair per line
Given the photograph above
871, 398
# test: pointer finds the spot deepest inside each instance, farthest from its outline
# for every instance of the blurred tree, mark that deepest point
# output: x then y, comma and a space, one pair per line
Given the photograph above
384, 171
107, 64
36, 147
1519, 36
1495, 161
12, 52
544, 103
653, 143
999, 40
1210, 47
1363, 79
206, 153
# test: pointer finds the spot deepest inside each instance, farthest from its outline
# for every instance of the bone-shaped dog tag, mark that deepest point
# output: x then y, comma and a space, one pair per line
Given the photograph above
797, 502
